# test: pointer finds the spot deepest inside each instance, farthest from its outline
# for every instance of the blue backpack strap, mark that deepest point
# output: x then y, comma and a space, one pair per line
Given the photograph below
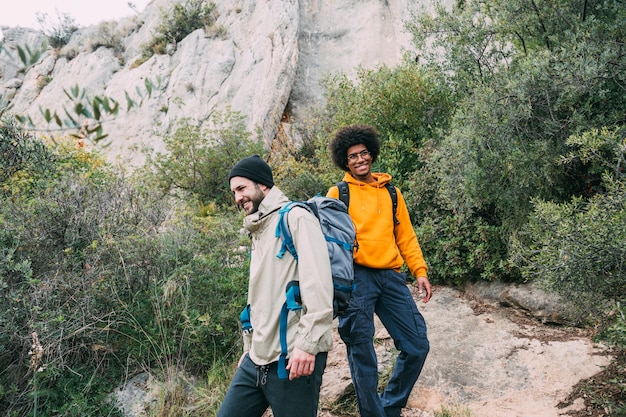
282, 232
346, 245
292, 303
244, 317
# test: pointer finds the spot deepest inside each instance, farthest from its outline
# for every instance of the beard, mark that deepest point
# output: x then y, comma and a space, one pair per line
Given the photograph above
255, 199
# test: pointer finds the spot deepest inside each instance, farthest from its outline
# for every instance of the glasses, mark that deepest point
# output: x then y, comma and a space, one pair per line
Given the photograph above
362, 154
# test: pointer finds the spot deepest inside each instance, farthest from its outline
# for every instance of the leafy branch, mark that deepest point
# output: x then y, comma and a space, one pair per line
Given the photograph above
86, 115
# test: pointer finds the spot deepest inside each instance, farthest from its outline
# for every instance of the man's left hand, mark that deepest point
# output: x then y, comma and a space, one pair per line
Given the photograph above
301, 363
424, 284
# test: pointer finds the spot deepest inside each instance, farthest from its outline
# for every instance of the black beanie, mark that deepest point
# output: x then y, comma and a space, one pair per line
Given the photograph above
254, 168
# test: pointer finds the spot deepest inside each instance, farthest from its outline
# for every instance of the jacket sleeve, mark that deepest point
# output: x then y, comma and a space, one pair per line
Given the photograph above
316, 288
407, 241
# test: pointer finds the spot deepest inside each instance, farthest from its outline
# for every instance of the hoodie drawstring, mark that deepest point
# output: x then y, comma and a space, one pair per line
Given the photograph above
378, 188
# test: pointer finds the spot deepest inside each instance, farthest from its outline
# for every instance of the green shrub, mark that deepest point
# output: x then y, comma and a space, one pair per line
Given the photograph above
112, 278
177, 294
184, 18
460, 250
577, 248
197, 162
23, 159
460, 244
614, 331
296, 169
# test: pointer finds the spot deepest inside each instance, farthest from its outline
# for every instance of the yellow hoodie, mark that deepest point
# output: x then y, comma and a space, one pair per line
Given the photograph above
381, 244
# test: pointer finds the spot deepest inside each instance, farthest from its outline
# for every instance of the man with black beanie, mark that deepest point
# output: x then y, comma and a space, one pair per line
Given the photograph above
254, 168
256, 384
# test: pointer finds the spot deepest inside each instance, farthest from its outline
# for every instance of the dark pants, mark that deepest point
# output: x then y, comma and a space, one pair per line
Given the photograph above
385, 293
254, 388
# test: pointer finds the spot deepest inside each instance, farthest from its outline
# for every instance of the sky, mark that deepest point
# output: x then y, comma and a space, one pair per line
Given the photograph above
84, 12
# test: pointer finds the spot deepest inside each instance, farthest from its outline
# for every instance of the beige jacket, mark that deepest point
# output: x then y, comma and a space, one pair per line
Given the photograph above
308, 329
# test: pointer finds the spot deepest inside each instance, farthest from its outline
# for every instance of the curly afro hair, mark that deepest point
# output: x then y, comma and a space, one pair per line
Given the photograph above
349, 136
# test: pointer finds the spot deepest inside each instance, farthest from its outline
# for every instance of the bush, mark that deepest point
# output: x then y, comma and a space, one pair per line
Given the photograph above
461, 250
614, 332
577, 249
112, 278
23, 159
180, 21
197, 162
296, 169
178, 294
460, 244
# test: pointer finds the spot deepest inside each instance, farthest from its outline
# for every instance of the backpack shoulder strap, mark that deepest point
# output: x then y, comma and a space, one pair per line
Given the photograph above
244, 317
283, 232
292, 303
344, 193
394, 200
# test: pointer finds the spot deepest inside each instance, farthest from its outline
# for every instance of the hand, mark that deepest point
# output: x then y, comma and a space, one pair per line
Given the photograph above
301, 363
423, 283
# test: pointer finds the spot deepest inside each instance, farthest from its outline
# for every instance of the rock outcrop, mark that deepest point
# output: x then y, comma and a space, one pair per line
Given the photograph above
264, 59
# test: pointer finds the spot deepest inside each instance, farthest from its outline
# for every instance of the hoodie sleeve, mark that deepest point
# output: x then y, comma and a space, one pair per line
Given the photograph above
407, 241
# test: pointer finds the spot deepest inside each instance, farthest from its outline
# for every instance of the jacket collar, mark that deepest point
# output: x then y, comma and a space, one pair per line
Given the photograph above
272, 202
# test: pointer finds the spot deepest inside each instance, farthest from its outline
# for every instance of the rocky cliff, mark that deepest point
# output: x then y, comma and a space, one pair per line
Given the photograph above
264, 59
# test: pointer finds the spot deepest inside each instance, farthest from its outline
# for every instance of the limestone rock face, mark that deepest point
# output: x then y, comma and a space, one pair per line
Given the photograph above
259, 58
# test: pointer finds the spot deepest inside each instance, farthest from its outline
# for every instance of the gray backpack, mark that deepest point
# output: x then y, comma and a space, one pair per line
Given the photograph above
340, 236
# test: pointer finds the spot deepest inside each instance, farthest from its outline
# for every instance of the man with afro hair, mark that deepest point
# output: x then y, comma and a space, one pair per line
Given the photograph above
385, 244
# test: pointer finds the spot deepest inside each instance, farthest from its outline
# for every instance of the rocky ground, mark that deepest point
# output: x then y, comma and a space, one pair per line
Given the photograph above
495, 352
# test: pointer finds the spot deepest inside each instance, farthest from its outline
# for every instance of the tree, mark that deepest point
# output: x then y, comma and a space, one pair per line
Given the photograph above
527, 77
197, 161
